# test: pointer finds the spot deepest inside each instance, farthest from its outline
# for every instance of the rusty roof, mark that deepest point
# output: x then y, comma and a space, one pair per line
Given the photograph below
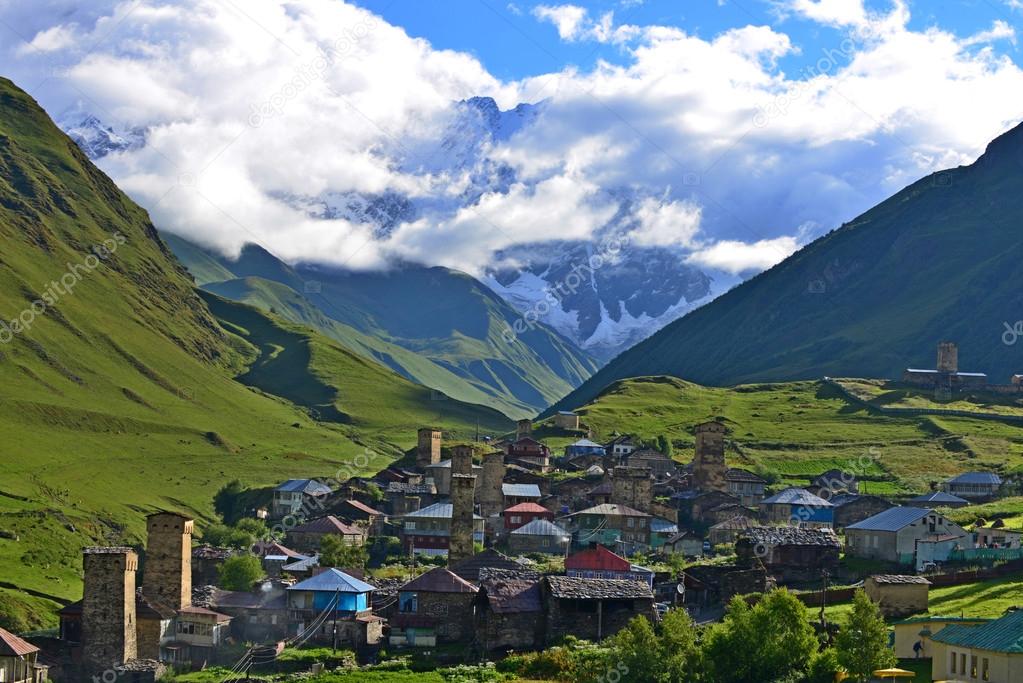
327, 525
13, 646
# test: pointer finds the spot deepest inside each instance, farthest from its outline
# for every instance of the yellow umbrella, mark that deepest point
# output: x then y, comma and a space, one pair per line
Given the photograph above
894, 673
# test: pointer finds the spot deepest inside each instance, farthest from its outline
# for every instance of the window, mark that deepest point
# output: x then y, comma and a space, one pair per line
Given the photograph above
985, 674
642, 524
962, 663
953, 669
630, 522
515, 519
410, 526
973, 666
408, 603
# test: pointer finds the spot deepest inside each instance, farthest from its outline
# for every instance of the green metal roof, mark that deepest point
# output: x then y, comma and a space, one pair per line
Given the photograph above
938, 617
1004, 634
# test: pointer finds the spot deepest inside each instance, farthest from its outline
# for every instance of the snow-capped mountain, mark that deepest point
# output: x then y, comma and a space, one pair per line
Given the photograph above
97, 139
635, 291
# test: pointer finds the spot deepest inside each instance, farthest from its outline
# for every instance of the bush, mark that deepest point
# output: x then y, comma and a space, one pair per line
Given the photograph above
238, 573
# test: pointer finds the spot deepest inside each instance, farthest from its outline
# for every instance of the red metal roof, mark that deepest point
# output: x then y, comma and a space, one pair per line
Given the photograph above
363, 507
528, 507
597, 558
13, 646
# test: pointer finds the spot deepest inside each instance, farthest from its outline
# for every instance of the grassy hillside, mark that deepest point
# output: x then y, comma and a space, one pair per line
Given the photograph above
939, 260
791, 431
436, 326
118, 393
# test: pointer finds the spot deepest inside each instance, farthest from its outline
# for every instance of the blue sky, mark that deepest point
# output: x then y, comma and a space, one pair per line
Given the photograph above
513, 43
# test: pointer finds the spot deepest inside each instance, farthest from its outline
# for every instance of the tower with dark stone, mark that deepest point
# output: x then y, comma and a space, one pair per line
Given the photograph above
523, 429
108, 608
167, 578
491, 495
632, 487
709, 468
428, 447
948, 357
460, 542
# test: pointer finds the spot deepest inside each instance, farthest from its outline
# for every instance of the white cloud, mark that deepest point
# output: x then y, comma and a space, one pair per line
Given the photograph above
574, 23
50, 40
666, 224
1000, 30
737, 257
832, 12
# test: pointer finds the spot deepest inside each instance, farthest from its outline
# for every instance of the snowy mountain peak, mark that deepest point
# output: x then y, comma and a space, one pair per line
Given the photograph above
97, 139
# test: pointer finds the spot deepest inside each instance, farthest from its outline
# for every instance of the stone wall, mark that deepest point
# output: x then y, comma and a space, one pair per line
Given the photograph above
490, 494
449, 613
633, 487
108, 608
428, 447
167, 573
509, 631
460, 544
709, 468
592, 619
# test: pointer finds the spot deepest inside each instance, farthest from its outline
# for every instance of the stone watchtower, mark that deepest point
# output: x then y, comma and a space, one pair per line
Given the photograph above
523, 429
491, 495
633, 487
709, 467
460, 542
108, 607
428, 447
948, 357
167, 578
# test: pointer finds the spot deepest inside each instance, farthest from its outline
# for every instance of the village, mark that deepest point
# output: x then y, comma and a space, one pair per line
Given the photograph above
479, 549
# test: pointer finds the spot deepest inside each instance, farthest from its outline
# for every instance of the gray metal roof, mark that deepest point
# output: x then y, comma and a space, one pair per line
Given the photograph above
987, 478
797, 496
307, 486
521, 490
540, 527
892, 519
938, 497
436, 511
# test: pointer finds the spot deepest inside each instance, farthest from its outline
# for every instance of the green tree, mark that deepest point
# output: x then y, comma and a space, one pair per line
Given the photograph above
638, 649
769, 641
224, 536
253, 526
238, 573
824, 666
680, 653
862, 642
228, 501
665, 446
334, 552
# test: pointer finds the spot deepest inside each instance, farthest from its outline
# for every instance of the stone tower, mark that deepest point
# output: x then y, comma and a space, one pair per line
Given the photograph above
523, 429
490, 494
948, 357
108, 607
167, 579
428, 447
460, 542
709, 467
633, 487
461, 459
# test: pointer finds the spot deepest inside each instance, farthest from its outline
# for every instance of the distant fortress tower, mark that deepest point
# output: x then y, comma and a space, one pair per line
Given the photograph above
167, 579
709, 468
108, 607
948, 357
428, 447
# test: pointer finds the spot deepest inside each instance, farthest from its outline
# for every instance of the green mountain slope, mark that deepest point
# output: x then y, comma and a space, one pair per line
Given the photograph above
118, 392
795, 430
941, 259
438, 327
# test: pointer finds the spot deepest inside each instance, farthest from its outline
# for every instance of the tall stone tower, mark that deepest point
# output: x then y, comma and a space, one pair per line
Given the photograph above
428, 447
460, 543
461, 459
167, 579
709, 467
523, 429
108, 607
490, 494
632, 487
948, 357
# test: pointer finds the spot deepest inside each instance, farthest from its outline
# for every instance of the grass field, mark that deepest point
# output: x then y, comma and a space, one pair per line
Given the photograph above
988, 599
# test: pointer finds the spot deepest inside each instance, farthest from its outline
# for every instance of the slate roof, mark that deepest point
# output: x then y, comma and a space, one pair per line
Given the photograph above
439, 580
471, 567
310, 487
326, 525
611, 509
511, 591
13, 646
983, 478
404, 487
436, 511
938, 498
736, 474
796, 496
333, 580
892, 519
899, 579
573, 588
1004, 634
521, 490
738, 522
540, 527
247, 600
791, 535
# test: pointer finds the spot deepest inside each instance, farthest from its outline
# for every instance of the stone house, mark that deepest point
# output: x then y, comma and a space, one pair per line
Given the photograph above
206, 561
852, 507
898, 595
298, 496
796, 506
509, 611
710, 585
565, 419
307, 537
686, 542
893, 535
726, 511
746, 486
529, 453
19, 660
593, 609
696, 506
371, 519
471, 567
936, 499
726, 532
405, 497
601, 563
154, 628
198, 632
974, 485
539, 536
790, 554
991, 652
428, 531
439, 474
610, 524
660, 465
524, 513
433, 608
601, 494
259, 616
345, 598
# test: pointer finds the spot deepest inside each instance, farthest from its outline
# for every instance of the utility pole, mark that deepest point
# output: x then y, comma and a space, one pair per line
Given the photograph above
824, 600
337, 603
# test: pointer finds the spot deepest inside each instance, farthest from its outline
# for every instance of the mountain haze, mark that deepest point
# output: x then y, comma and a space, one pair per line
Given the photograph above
942, 259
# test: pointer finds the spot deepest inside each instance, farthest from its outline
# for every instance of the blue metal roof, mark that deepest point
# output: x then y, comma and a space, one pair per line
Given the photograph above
938, 497
986, 478
521, 490
333, 580
540, 527
310, 486
892, 519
